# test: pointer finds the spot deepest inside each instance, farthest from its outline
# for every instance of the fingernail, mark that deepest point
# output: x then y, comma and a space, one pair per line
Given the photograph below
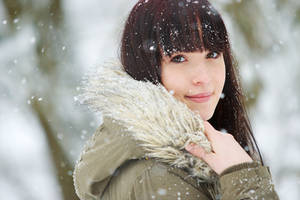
189, 147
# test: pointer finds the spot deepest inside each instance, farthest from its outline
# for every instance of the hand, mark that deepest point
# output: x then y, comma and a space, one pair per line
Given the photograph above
226, 150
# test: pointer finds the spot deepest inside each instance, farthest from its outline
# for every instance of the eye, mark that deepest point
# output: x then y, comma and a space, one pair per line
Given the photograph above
213, 54
178, 59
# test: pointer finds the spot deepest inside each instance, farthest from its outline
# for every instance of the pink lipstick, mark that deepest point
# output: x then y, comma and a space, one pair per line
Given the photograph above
201, 97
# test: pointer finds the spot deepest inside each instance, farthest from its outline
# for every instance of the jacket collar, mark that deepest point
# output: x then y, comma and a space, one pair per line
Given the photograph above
161, 124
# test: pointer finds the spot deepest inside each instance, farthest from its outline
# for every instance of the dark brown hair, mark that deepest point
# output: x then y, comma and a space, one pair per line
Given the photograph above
156, 27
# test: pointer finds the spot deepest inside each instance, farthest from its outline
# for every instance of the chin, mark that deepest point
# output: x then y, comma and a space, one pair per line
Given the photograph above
205, 116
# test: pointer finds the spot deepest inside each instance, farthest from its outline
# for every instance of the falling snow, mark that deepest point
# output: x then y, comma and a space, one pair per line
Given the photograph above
275, 124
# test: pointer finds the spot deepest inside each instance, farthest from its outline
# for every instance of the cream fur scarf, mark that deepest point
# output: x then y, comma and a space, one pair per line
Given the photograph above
162, 124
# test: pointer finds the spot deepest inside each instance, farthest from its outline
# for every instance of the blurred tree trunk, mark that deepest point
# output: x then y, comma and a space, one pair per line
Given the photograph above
47, 21
248, 17
63, 167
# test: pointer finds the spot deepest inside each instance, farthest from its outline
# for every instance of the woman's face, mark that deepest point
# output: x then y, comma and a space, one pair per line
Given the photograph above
195, 73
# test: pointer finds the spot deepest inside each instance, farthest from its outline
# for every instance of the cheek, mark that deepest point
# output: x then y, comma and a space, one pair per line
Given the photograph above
172, 80
167, 77
219, 77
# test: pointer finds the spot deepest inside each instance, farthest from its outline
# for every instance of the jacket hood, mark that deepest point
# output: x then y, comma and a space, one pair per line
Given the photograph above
152, 116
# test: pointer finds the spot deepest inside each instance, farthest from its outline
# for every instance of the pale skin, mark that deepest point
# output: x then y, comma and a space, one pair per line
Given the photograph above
197, 72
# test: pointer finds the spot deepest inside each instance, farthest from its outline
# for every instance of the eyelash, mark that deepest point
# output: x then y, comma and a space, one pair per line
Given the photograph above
178, 56
218, 54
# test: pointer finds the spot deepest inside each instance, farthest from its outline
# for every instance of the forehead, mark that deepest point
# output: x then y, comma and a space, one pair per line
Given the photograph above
187, 27
190, 37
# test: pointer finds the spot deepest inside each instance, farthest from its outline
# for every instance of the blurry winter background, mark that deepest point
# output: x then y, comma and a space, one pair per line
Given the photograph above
47, 45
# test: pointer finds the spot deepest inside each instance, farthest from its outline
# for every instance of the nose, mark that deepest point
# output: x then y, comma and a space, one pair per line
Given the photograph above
201, 76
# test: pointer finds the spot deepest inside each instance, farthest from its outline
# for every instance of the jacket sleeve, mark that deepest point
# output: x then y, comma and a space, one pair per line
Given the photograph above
248, 180
148, 180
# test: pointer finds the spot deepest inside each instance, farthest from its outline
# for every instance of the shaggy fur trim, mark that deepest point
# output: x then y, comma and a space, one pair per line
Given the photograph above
162, 124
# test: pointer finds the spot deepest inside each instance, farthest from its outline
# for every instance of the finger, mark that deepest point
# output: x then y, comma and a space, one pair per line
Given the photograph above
195, 150
199, 152
208, 126
209, 131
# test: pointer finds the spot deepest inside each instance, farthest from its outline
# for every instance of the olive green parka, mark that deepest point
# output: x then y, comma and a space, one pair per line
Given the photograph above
138, 152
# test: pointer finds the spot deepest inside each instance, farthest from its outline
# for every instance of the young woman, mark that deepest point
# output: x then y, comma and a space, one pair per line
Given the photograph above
174, 122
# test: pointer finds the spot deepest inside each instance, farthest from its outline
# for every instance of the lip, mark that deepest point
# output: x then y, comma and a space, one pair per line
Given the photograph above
200, 98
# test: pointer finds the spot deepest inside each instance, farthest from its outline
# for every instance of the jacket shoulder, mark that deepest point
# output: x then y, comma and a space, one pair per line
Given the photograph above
150, 179
108, 148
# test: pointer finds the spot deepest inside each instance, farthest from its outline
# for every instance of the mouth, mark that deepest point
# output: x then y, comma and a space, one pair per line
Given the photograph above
200, 98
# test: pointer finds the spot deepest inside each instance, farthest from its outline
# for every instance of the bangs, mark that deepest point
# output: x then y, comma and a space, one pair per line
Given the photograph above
156, 28
187, 26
